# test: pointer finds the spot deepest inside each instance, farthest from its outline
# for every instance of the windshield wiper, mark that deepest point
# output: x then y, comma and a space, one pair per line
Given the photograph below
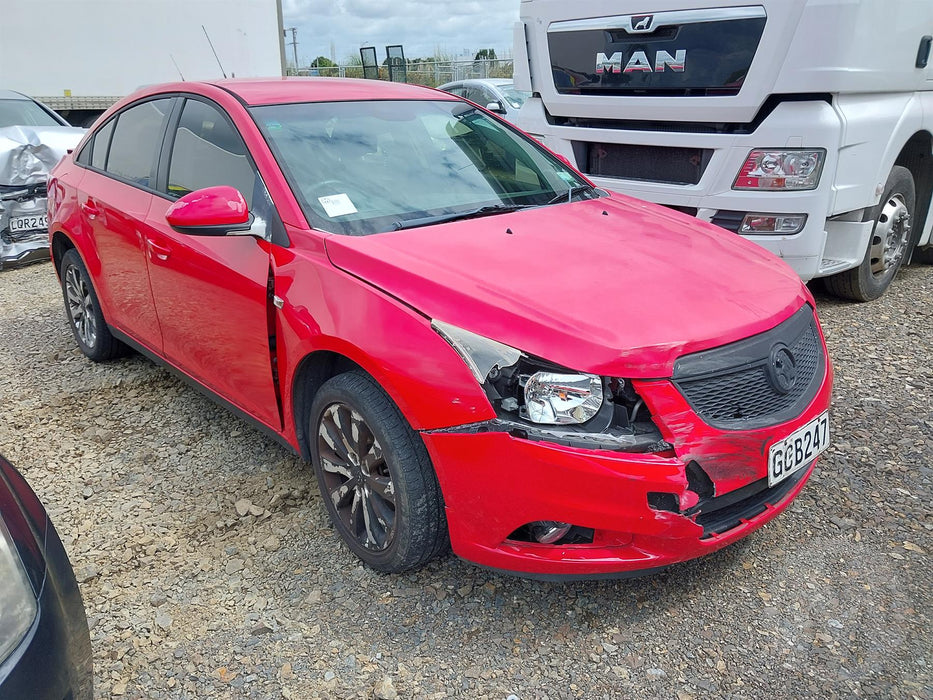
488, 210
569, 194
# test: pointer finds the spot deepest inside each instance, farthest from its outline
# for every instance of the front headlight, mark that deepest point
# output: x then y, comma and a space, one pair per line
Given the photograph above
782, 170
17, 601
543, 397
559, 399
537, 400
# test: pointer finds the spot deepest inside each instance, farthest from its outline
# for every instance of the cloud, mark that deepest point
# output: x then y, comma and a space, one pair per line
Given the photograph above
422, 27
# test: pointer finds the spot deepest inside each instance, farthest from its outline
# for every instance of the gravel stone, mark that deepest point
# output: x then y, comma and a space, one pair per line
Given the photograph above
831, 599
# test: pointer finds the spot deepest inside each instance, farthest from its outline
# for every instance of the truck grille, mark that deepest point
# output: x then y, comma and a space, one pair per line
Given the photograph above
736, 386
677, 166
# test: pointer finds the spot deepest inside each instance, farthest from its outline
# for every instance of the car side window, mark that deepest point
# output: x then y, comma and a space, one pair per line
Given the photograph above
101, 145
208, 151
136, 140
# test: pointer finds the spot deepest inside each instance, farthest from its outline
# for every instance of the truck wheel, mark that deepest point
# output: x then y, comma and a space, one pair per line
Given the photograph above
376, 478
887, 247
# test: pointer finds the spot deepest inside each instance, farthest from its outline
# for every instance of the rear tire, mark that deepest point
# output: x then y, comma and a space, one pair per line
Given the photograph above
82, 309
375, 475
888, 244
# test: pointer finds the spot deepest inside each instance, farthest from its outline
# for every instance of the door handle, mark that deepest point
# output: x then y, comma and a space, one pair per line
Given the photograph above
157, 251
90, 209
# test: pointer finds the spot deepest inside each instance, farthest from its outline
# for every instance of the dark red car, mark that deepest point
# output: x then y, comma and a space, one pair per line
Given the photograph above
469, 341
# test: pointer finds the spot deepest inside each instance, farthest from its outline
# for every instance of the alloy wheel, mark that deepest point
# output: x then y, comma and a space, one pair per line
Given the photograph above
356, 477
80, 306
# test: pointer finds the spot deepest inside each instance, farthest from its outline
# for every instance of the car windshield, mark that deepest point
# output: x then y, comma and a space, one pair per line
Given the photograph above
516, 98
359, 168
24, 113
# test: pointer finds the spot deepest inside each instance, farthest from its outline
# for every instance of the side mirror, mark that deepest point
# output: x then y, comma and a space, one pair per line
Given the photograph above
495, 107
213, 211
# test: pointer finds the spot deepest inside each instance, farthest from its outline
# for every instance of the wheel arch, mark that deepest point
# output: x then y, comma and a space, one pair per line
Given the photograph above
313, 370
60, 245
917, 156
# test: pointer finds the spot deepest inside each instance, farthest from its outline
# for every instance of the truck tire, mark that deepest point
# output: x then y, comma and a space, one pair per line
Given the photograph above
888, 244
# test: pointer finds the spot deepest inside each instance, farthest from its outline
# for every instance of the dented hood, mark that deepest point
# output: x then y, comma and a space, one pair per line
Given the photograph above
613, 286
28, 153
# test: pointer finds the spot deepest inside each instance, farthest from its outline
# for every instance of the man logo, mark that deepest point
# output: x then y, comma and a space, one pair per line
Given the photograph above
642, 23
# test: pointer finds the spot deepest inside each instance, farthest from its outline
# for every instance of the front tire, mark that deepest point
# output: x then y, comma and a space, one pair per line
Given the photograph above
888, 245
376, 478
82, 310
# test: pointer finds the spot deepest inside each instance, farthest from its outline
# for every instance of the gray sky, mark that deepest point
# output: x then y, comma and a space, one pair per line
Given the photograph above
421, 26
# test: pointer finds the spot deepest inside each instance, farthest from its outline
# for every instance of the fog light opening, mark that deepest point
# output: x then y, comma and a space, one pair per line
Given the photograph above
549, 531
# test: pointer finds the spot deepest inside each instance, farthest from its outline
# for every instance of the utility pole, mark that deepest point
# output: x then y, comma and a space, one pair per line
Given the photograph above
294, 31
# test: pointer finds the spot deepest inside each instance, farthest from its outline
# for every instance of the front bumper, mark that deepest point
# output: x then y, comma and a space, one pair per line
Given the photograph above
19, 248
646, 510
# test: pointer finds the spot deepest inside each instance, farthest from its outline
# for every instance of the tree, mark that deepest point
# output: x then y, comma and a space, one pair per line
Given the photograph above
485, 54
322, 62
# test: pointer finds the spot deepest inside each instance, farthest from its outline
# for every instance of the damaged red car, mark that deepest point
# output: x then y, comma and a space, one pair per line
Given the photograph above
473, 346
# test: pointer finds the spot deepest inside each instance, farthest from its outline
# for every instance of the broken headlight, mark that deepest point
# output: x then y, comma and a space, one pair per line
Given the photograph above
536, 399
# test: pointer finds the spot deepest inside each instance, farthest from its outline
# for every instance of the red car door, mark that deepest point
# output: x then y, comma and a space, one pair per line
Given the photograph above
114, 201
210, 292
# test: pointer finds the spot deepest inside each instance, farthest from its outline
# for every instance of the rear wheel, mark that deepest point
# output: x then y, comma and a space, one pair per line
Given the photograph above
888, 245
83, 311
375, 475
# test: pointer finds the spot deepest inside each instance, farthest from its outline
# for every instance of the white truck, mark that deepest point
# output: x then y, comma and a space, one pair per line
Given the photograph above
80, 57
802, 125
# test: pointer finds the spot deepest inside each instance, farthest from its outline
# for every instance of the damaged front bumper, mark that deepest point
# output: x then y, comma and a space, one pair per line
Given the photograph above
27, 155
24, 233
628, 511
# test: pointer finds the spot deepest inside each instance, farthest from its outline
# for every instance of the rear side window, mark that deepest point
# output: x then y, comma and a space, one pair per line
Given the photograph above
100, 145
136, 140
208, 151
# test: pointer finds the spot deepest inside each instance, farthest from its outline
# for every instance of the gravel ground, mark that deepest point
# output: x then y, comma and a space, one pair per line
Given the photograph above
209, 569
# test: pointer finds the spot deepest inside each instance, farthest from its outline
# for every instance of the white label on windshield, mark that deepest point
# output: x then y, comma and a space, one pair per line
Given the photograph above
337, 205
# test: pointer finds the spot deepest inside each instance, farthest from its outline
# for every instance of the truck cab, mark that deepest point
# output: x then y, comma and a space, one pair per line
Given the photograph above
804, 126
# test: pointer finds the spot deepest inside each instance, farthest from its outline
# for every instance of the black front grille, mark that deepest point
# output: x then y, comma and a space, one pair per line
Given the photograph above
722, 513
677, 166
734, 387
729, 220
22, 193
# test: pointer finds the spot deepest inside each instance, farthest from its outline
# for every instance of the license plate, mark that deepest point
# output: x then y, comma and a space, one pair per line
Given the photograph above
798, 449
29, 223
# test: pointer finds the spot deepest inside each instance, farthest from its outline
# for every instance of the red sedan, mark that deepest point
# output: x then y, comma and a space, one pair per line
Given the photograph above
472, 345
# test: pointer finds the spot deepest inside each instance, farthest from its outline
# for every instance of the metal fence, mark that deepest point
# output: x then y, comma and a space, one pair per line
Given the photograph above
430, 73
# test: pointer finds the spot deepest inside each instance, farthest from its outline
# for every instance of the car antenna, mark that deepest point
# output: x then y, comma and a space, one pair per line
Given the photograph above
177, 68
215, 52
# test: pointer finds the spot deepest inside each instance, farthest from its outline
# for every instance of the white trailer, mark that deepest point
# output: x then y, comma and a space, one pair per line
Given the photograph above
803, 125
80, 57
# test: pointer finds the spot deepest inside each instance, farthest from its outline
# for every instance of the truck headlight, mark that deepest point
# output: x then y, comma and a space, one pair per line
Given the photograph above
17, 601
781, 170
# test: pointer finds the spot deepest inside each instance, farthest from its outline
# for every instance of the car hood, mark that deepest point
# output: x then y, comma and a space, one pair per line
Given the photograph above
614, 286
28, 153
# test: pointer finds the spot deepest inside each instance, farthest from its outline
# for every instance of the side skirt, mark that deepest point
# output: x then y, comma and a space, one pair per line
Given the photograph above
195, 384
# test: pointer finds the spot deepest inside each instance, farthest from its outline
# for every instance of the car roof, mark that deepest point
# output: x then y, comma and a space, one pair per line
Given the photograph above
13, 95
268, 91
